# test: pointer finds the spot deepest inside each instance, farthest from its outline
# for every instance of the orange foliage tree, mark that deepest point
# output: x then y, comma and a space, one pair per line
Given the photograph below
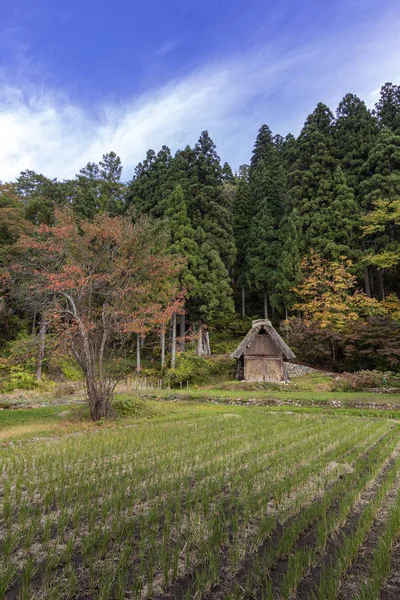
100, 283
330, 305
327, 295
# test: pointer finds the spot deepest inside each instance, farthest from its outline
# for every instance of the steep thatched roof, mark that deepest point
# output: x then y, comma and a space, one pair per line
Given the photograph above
257, 326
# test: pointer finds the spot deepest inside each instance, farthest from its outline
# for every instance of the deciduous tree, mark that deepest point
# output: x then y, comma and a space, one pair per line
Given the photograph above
102, 282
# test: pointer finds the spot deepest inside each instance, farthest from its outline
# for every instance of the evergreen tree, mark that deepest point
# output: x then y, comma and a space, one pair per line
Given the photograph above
182, 238
39, 195
208, 209
354, 134
97, 188
111, 188
86, 192
227, 173
387, 108
342, 221
382, 169
214, 291
381, 184
265, 150
242, 215
289, 265
149, 186
263, 244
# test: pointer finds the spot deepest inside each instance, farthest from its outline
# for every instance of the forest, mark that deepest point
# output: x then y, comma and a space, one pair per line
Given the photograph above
306, 234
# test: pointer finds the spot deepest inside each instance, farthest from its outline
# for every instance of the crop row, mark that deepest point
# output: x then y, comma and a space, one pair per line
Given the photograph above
181, 509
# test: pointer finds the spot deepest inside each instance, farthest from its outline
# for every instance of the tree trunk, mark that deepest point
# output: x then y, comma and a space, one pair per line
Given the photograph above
333, 351
207, 343
199, 350
265, 304
182, 332
162, 336
381, 285
367, 282
99, 399
243, 301
173, 343
137, 353
367, 274
40, 354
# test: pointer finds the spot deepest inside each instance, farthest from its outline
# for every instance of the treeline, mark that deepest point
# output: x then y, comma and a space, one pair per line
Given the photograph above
334, 190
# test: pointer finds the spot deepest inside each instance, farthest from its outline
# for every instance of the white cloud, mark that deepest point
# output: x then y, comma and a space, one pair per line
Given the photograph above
48, 134
43, 131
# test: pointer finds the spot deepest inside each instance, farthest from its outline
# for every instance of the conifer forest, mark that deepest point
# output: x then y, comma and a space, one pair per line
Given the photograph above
306, 234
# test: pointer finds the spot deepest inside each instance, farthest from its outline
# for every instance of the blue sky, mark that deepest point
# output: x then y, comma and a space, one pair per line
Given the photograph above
78, 79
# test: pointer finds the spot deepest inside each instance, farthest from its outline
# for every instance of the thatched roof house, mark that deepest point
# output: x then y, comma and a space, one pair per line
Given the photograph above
261, 354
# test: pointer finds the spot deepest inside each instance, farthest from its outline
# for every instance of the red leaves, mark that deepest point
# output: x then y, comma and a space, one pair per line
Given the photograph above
108, 263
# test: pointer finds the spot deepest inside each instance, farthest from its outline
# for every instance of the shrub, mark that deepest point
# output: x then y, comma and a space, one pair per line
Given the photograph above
132, 406
197, 369
71, 371
251, 386
17, 378
361, 380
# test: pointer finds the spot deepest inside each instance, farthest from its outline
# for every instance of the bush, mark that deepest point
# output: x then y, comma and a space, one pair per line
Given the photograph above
132, 406
252, 386
197, 369
71, 370
16, 378
361, 380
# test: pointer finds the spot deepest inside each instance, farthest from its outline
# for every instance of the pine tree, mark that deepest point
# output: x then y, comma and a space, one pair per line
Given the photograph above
182, 238
289, 264
354, 135
242, 215
342, 221
382, 183
263, 244
382, 169
39, 195
208, 209
86, 192
387, 108
149, 185
265, 150
111, 187
227, 173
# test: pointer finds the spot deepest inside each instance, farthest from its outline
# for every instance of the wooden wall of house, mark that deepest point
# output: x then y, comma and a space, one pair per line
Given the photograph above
263, 368
262, 345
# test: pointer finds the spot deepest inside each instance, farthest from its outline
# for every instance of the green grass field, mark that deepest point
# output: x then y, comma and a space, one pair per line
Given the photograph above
194, 500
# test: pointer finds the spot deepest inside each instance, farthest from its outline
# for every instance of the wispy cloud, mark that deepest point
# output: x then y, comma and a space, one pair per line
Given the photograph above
42, 130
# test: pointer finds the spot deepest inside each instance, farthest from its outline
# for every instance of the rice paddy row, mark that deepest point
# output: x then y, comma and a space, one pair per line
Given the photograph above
224, 503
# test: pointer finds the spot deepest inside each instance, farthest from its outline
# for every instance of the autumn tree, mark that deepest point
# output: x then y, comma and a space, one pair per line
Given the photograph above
101, 282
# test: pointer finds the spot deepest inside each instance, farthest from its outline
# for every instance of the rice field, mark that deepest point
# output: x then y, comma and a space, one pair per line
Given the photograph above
212, 502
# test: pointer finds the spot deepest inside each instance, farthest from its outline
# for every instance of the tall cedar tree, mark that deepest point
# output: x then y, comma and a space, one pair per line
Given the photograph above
242, 215
208, 208
149, 186
328, 215
383, 184
387, 108
354, 134
182, 239
263, 245
289, 269
268, 197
